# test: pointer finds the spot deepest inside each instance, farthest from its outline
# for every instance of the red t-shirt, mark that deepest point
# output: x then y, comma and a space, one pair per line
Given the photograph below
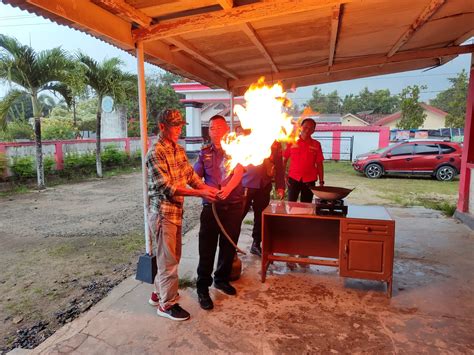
304, 155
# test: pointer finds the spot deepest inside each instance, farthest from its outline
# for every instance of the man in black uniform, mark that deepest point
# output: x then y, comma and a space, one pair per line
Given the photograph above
210, 166
257, 183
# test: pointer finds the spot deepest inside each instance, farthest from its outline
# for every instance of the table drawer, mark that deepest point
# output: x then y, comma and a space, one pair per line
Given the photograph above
368, 228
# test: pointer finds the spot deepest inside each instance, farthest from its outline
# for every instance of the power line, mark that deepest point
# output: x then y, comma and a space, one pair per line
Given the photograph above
27, 24
7, 18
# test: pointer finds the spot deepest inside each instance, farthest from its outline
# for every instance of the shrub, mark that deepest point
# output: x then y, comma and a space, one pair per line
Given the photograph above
49, 165
76, 164
57, 129
3, 164
25, 167
113, 157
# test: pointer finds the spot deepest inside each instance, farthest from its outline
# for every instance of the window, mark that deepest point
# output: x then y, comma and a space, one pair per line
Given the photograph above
446, 149
406, 149
426, 149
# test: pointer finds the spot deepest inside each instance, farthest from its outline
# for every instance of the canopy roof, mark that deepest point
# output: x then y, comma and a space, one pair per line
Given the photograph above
230, 43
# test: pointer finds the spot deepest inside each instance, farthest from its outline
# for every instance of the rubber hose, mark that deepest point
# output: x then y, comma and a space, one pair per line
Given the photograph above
214, 211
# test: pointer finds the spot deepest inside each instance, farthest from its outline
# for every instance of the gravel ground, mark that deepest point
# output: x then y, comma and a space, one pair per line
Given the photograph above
102, 207
65, 248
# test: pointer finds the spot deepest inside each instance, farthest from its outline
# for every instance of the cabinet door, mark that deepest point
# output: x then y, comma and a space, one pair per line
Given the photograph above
366, 256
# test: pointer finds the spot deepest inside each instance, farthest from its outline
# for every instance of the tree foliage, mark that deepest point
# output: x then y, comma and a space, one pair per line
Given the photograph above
324, 103
453, 100
378, 101
18, 129
85, 111
107, 78
58, 129
413, 115
22, 108
31, 73
160, 95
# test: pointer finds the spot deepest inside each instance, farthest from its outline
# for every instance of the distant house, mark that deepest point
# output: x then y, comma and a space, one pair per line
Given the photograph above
352, 120
326, 118
435, 119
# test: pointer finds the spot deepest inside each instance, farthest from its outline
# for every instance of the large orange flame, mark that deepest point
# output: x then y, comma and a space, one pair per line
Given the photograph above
265, 117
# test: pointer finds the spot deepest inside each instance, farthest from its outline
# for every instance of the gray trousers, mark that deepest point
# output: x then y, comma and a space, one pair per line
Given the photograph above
168, 253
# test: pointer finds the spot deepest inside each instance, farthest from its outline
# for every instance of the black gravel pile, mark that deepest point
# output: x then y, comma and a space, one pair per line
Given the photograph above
30, 337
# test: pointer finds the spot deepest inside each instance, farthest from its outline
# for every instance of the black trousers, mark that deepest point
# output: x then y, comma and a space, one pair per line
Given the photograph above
259, 200
210, 236
297, 187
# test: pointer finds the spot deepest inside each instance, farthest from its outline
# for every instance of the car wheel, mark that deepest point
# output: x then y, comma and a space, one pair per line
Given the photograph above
373, 171
445, 173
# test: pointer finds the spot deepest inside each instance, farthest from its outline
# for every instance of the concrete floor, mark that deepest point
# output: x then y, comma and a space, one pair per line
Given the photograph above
303, 311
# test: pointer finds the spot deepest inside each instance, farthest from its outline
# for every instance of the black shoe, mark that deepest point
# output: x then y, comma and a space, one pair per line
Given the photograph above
175, 312
225, 287
205, 300
255, 249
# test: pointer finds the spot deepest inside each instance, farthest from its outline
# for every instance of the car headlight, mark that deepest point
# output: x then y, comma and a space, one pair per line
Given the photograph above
361, 158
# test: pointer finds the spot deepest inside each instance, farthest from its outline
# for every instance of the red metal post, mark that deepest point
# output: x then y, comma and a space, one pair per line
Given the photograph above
336, 145
384, 137
127, 146
59, 156
468, 146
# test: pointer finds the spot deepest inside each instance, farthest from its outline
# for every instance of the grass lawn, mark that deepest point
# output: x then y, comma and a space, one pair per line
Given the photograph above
393, 190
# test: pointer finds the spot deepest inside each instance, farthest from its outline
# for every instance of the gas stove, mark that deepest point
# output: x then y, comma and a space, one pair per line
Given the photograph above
330, 207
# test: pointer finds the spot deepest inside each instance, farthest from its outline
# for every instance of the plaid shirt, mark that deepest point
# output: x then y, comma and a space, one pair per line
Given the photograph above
168, 168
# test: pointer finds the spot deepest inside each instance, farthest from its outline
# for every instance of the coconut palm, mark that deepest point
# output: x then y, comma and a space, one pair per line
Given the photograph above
31, 73
105, 78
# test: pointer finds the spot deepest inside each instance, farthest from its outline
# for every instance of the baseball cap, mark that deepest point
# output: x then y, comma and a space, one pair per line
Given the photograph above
171, 117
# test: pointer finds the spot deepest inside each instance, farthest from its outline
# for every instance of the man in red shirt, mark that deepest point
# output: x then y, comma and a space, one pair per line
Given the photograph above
306, 163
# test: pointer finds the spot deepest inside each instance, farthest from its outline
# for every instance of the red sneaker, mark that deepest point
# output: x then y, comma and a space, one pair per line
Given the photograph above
154, 300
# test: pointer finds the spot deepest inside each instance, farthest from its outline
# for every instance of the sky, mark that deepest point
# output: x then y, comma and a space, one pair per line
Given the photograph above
43, 34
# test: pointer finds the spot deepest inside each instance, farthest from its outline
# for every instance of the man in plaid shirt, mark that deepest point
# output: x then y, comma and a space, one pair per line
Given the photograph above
169, 173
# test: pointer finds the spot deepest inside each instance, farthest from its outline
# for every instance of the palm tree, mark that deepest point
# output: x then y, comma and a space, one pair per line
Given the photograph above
105, 78
31, 73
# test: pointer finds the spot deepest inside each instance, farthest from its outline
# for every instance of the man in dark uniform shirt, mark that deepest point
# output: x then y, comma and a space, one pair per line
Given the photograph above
210, 166
257, 182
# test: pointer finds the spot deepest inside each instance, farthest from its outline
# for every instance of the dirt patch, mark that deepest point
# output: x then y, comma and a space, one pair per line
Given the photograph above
63, 249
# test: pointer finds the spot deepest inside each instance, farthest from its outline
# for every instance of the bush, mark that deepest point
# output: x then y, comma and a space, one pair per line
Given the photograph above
25, 167
17, 130
3, 165
113, 157
76, 164
58, 129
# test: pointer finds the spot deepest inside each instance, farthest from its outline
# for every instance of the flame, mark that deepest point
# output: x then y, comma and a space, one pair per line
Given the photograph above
265, 117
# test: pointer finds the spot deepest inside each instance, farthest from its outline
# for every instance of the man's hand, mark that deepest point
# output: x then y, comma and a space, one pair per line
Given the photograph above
281, 193
224, 193
321, 183
208, 192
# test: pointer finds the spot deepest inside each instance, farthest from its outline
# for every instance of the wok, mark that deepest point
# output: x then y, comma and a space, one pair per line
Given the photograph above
330, 193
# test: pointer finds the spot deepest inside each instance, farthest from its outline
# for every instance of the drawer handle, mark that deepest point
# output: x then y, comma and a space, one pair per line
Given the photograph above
368, 229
